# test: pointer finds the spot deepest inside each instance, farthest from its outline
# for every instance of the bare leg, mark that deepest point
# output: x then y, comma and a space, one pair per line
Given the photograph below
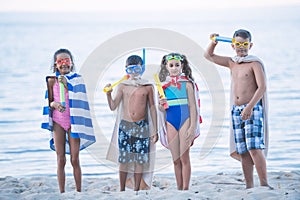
123, 176
173, 140
74, 149
59, 137
185, 155
260, 165
178, 173
186, 169
138, 173
247, 165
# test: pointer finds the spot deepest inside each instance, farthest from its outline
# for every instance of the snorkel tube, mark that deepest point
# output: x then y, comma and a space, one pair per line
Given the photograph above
126, 77
144, 61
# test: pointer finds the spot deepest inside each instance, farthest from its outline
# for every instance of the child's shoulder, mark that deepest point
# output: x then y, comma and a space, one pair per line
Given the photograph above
189, 84
256, 64
51, 79
149, 87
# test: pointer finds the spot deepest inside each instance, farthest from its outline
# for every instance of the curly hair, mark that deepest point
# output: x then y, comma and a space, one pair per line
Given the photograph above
186, 69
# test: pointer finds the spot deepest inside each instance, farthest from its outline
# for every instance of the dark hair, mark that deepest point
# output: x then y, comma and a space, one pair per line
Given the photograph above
242, 33
59, 52
186, 69
134, 60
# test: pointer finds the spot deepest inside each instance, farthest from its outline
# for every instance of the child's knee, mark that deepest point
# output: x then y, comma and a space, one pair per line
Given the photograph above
75, 161
61, 161
255, 153
177, 162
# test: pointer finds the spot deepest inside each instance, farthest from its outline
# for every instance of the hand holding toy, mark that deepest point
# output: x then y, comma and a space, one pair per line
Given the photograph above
62, 91
107, 89
160, 90
222, 39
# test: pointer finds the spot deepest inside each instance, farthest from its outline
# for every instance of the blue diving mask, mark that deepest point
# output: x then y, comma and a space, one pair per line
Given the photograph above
135, 69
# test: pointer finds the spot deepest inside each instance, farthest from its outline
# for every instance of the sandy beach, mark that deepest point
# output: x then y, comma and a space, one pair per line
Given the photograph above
220, 186
29, 39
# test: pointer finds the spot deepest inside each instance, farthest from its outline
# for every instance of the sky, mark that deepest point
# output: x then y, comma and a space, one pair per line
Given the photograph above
133, 5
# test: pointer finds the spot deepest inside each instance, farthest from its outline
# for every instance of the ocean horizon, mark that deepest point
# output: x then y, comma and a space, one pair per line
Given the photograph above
29, 40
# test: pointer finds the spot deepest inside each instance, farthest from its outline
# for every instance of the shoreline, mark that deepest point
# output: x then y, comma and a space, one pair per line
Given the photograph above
219, 186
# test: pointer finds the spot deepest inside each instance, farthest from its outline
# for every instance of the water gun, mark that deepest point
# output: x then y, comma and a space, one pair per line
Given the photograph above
62, 93
107, 89
160, 90
222, 39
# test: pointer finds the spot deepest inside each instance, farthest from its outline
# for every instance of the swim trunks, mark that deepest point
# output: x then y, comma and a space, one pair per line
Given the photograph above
248, 134
178, 111
134, 142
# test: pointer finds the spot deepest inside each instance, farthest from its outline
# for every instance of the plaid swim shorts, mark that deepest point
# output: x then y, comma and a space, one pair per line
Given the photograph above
248, 134
134, 142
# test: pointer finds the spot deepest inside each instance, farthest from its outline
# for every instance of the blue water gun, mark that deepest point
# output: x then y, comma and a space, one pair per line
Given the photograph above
222, 39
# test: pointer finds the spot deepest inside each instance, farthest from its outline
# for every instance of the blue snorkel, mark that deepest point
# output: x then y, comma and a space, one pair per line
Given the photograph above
144, 61
137, 68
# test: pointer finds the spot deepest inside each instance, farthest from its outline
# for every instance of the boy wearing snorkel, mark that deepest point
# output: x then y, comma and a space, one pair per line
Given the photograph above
249, 130
135, 129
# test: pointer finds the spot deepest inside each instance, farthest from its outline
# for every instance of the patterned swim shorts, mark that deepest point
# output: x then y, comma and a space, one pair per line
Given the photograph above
248, 134
134, 142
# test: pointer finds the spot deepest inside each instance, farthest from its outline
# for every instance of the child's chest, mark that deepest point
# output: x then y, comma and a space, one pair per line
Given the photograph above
133, 92
242, 71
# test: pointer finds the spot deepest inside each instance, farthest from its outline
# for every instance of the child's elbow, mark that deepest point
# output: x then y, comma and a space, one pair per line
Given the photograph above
262, 88
207, 56
112, 108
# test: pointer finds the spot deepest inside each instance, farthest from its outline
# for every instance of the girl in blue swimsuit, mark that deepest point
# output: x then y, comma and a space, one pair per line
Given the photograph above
182, 114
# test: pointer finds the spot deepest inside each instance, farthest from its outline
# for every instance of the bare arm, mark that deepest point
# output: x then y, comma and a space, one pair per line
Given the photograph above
261, 84
52, 103
192, 105
153, 113
211, 56
261, 88
190, 133
114, 103
50, 83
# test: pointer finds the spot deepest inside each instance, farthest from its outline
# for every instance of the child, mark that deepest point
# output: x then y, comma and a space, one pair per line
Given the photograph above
70, 124
136, 127
181, 121
249, 106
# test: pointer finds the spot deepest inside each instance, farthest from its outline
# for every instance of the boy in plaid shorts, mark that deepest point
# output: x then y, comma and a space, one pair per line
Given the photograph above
249, 106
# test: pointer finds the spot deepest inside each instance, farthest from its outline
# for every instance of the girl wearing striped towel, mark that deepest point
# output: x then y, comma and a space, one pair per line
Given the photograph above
67, 116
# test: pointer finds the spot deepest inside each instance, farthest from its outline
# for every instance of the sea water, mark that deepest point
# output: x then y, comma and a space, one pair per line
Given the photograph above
29, 40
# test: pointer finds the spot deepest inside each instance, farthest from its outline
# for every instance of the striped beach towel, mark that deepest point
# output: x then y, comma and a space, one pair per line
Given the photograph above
80, 117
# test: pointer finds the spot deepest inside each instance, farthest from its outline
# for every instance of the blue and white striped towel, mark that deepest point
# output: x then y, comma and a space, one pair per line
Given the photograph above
80, 117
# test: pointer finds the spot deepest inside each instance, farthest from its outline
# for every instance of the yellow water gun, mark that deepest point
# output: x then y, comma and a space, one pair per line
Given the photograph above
109, 88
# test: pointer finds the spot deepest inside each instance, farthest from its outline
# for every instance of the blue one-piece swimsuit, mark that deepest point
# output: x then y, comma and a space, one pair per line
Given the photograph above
178, 111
